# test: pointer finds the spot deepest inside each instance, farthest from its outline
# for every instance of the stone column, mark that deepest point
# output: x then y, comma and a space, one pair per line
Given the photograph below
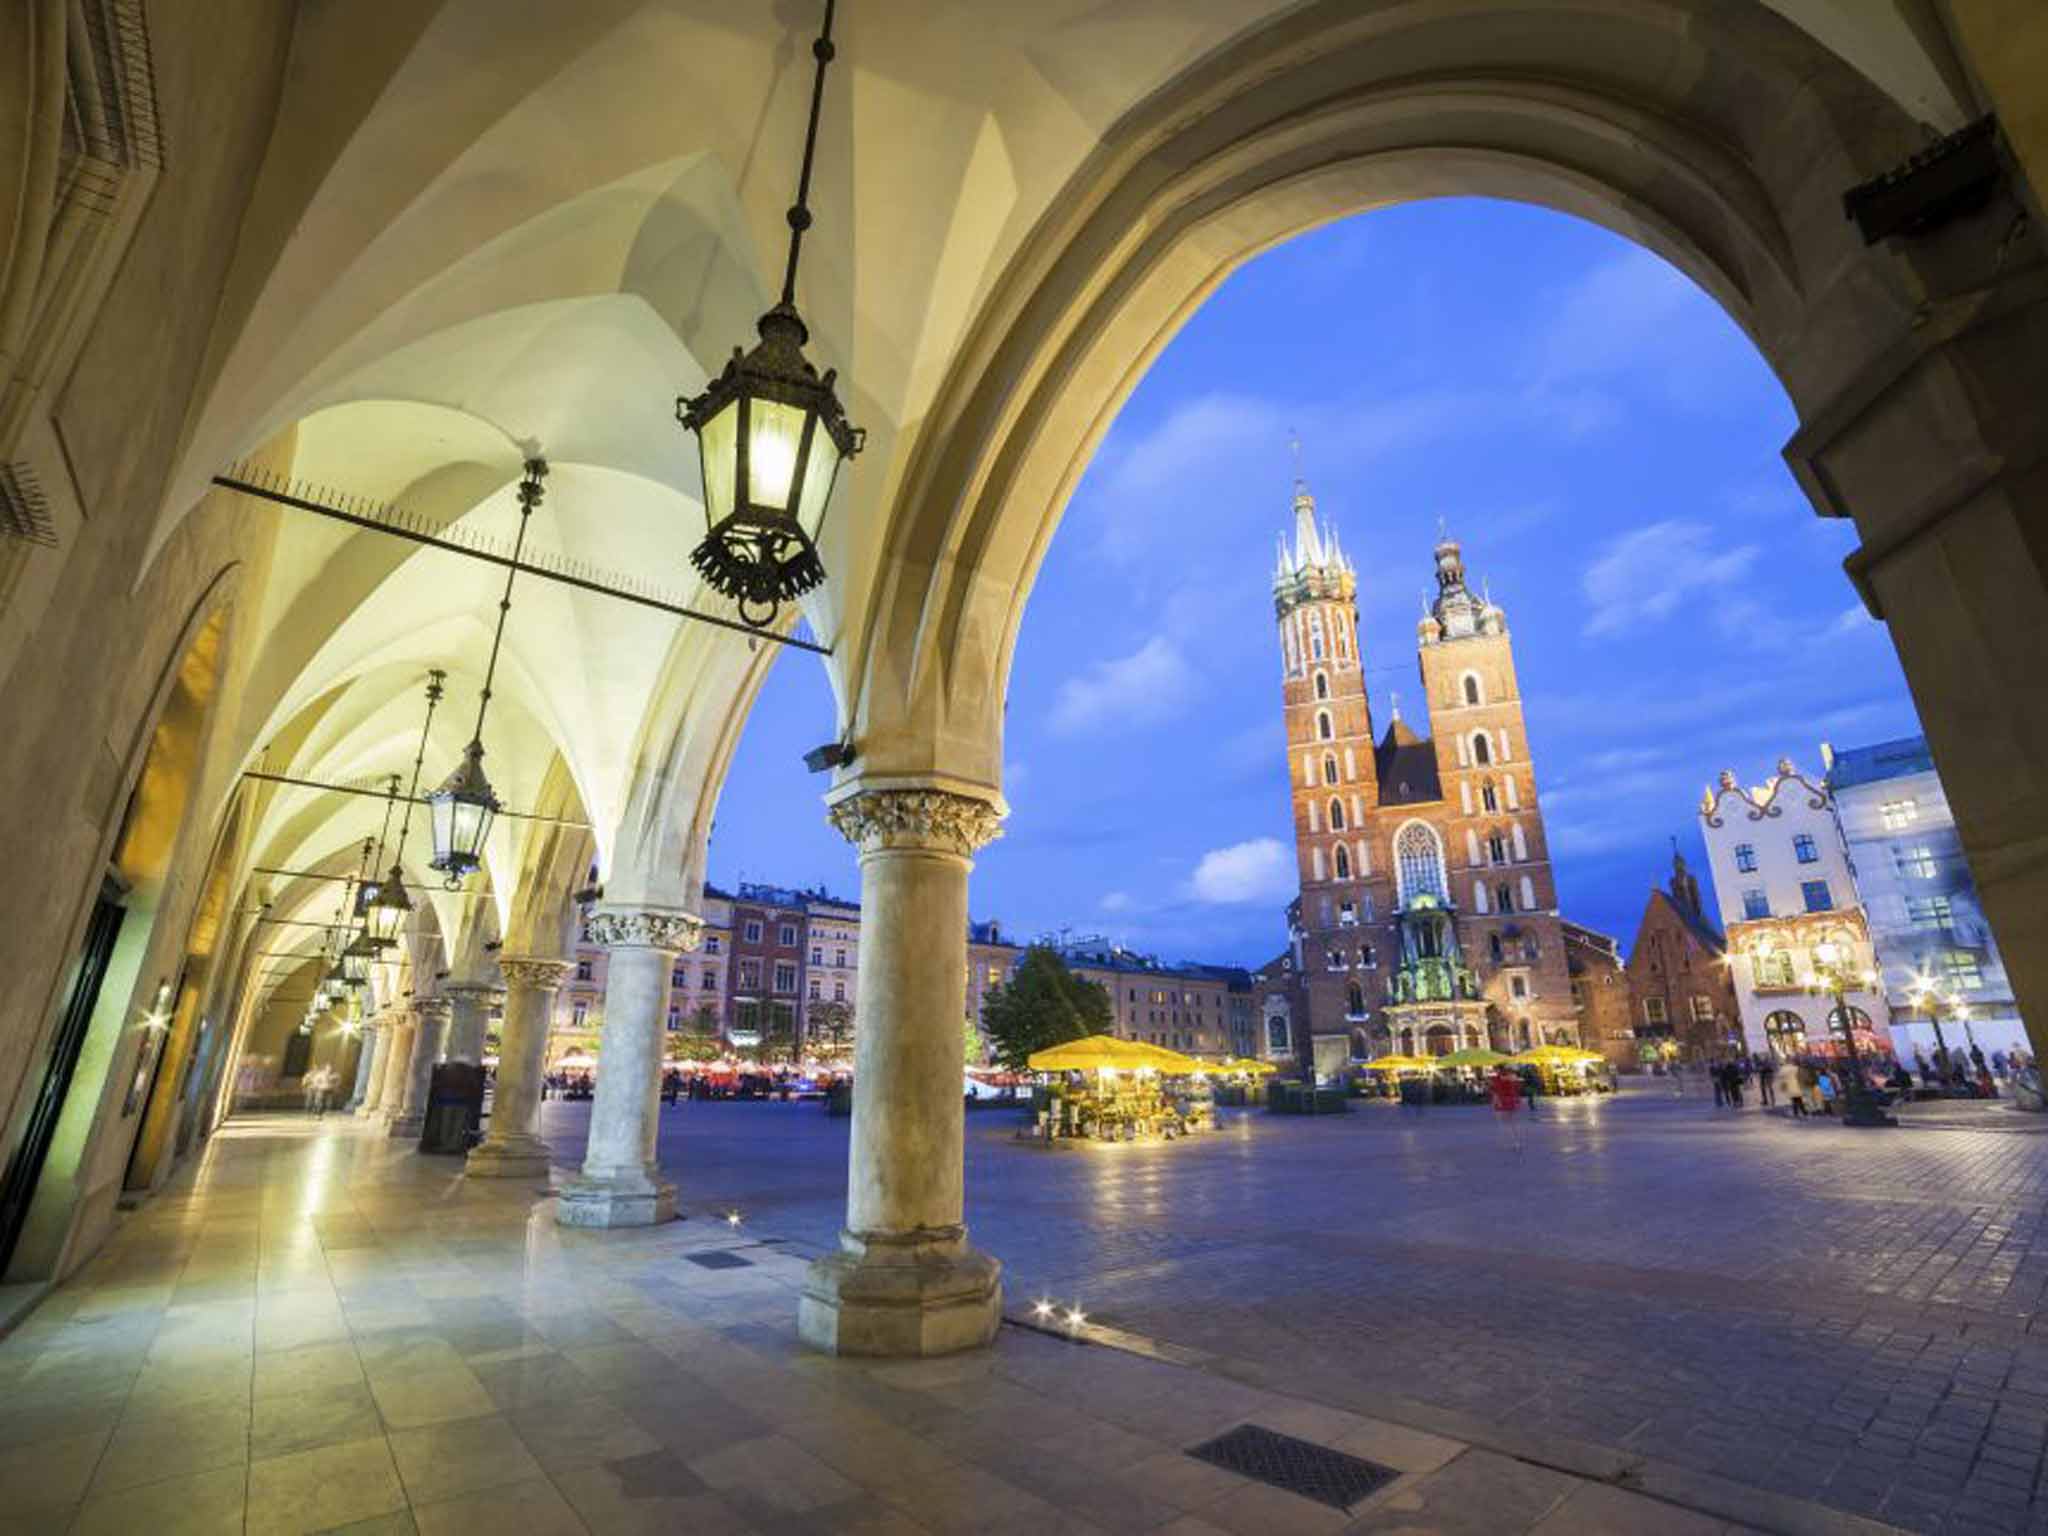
400, 1030
621, 1184
512, 1147
366, 1064
904, 1281
469, 1019
410, 1116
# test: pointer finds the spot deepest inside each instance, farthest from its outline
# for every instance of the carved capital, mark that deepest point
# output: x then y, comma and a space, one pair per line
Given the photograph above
481, 992
617, 928
534, 975
879, 819
432, 1010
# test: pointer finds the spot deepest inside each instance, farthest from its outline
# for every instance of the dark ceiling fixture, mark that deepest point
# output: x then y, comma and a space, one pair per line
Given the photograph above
771, 435
1951, 177
463, 808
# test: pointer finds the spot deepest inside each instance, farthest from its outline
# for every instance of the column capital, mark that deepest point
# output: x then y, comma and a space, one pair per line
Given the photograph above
432, 1007
639, 928
533, 973
450, 990
877, 819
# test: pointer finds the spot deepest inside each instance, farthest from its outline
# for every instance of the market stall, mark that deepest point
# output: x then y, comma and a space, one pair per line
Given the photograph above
1566, 1069
1387, 1074
1104, 1089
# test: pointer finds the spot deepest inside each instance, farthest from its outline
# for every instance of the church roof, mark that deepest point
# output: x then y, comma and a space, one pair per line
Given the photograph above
1406, 766
1703, 932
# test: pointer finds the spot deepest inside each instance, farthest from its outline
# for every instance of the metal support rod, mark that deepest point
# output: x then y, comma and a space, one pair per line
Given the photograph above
317, 874
352, 789
525, 568
800, 212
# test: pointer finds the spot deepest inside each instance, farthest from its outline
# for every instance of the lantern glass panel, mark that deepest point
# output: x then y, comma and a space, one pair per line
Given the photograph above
718, 444
774, 435
819, 477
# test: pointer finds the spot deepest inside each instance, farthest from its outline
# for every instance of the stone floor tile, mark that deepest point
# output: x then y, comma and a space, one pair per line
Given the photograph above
776, 1471
405, 1351
532, 1507
531, 1381
151, 1449
194, 1504
301, 1421
648, 1493
415, 1398
332, 1364
1595, 1509
1479, 1492
322, 1488
49, 1474
580, 1431
1254, 1509
440, 1461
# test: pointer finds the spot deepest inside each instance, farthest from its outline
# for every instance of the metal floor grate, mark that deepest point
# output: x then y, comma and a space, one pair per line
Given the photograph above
1298, 1466
719, 1258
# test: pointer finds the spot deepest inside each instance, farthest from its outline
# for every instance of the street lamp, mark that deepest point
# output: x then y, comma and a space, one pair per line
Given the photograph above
771, 435
1833, 967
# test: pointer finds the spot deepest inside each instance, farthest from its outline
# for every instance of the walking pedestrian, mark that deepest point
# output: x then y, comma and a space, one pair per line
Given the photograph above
1790, 1087
1764, 1084
1719, 1073
1824, 1080
1504, 1090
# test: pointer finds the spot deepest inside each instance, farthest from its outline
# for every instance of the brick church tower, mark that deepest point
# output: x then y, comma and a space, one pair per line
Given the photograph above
1427, 919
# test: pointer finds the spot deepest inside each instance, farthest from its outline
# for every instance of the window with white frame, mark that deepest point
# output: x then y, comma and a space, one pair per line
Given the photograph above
1702, 1009
1654, 1012
785, 976
1963, 969
1898, 814
1930, 911
1745, 858
1755, 903
1914, 861
1804, 849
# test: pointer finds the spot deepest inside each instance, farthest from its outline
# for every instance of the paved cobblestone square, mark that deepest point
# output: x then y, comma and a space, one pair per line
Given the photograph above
1841, 1316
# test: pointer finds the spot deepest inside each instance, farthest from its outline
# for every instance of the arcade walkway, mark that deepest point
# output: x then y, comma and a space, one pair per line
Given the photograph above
314, 1330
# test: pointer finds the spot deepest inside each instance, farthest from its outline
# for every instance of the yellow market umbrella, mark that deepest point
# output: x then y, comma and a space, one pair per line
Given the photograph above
1558, 1056
1400, 1064
1106, 1053
1473, 1056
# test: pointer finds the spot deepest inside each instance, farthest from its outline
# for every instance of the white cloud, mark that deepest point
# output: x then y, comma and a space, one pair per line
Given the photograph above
1014, 774
1149, 685
1645, 574
1259, 870
1116, 901
1614, 317
1852, 620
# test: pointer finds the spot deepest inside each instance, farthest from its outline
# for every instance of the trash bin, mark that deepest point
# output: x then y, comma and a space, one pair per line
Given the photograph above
455, 1109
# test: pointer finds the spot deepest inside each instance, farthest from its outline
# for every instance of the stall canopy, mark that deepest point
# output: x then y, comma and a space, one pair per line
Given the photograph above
1400, 1064
1558, 1056
1474, 1056
1106, 1053
1245, 1064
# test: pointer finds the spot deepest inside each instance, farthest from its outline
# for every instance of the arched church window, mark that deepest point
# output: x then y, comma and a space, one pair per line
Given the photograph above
1487, 797
1504, 897
1482, 751
1472, 695
1325, 729
1343, 863
1493, 947
1336, 814
1315, 635
1329, 767
1355, 1001
1322, 685
1419, 862
1497, 848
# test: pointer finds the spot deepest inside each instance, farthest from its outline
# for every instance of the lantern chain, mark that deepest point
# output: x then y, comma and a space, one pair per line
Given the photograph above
800, 211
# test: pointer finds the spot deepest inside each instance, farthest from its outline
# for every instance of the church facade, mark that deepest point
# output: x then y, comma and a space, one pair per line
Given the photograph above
1427, 920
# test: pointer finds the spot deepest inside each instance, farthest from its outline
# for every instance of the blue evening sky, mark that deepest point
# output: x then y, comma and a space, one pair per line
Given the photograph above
1592, 426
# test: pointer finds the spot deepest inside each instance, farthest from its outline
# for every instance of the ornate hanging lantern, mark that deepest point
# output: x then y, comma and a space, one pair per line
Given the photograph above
462, 809
771, 436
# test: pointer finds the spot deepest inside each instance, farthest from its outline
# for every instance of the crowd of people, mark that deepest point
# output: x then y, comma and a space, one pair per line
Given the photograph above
1817, 1085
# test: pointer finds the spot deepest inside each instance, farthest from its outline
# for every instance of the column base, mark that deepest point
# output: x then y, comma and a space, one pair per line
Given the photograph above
407, 1127
514, 1157
632, 1197
902, 1294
